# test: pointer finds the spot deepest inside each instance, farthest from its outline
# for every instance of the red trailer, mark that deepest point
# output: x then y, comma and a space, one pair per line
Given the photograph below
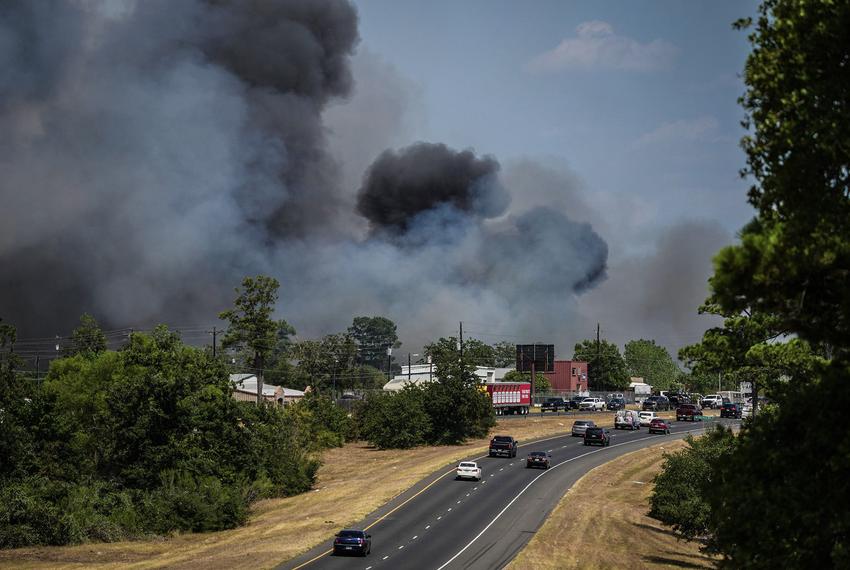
510, 397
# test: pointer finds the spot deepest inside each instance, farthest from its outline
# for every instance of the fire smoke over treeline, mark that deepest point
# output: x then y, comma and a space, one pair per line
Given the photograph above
154, 153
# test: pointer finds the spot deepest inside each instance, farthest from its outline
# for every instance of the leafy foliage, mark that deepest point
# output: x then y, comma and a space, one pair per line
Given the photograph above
541, 382
373, 336
606, 369
686, 482
88, 338
651, 362
395, 420
146, 440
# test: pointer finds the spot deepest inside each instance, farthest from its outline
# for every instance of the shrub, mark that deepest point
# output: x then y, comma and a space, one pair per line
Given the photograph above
395, 420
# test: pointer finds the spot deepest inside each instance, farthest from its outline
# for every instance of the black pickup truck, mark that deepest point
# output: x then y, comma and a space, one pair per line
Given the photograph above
553, 405
503, 445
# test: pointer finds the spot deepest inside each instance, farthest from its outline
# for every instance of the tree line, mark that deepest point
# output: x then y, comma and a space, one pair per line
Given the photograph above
775, 494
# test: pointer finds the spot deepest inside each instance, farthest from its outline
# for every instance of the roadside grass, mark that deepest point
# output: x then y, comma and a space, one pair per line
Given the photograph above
353, 481
602, 522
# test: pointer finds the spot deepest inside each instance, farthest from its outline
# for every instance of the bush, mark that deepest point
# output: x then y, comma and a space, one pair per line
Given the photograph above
685, 484
395, 420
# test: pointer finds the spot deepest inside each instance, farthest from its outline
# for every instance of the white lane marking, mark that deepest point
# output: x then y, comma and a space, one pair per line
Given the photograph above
449, 509
509, 464
368, 568
524, 489
457, 503
548, 451
385, 557
475, 488
467, 494
427, 527
400, 547
415, 537
491, 474
439, 517
502, 469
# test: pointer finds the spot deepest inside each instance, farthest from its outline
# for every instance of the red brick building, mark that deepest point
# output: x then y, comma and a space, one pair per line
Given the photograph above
569, 375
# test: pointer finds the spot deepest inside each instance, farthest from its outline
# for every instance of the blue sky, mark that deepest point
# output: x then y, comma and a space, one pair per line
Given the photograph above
635, 101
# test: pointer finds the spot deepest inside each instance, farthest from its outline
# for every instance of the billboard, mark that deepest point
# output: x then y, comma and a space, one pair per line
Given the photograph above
542, 355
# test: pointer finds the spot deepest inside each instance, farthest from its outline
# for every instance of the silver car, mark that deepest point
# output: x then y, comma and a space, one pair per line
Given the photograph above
580, 426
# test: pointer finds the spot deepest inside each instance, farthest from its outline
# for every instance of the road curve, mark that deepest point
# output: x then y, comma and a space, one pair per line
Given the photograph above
443, 524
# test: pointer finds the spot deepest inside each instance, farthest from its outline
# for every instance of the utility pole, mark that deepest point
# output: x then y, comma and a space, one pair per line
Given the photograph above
599, 358
389, 363
430, 369
214, 333
461, 341
408, 367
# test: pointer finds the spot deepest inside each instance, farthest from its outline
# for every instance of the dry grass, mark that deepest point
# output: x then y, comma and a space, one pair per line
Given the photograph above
352, 482
602, 522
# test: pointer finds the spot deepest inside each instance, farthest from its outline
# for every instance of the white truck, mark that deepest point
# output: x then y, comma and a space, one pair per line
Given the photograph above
712, 401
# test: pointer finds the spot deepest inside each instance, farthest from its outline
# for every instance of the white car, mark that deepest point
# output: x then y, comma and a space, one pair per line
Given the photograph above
646, 417
594, 404
712, 401
468, 470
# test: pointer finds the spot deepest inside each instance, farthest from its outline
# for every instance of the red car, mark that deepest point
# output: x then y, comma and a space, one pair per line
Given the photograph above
659, 426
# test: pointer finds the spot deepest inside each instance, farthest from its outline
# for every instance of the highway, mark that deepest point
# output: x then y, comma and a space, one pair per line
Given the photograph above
441, 523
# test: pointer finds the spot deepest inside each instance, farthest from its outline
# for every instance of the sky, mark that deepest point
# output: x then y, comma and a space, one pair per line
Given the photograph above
528, 170
635, 102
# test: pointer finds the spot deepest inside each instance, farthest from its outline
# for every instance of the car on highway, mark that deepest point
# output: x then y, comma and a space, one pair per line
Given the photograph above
592, 404
712, 401
352, 541
731, 410
646, 418
688, 412
656, 403
575, 401
594, 435
627, 419
503, 445
659, 425
580, 426
468, 470
616, 404
537, 459
553, 405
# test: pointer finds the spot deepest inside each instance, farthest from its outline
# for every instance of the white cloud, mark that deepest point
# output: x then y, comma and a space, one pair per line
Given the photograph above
596, 46
683, 130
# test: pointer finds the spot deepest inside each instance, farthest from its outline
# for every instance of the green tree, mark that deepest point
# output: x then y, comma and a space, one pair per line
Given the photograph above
606, 369
680, 497
504, 354
648, 360
374, 335
395, 420
321, 363
88, 338
251, 326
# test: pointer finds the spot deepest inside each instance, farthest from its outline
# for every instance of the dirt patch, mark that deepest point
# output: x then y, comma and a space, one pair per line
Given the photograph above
352, 482
602, 522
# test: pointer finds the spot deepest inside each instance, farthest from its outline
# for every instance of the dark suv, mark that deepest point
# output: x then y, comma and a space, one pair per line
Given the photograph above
351, 541
656, 403
594, 435
503, 445
616, 404
575, 401
553, 405
731, 411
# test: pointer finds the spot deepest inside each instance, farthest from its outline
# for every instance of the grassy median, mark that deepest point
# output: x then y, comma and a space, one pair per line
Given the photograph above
602, 522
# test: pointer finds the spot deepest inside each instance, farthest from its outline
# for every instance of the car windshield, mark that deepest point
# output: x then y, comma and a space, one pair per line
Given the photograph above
657, 421
468, 465
582, 423
592, 430
503, 438
351, 534
538, 454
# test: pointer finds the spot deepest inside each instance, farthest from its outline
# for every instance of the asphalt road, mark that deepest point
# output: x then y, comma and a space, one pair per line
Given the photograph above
443, 524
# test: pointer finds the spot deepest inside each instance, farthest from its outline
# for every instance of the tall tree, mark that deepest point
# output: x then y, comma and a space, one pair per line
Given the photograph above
374, 335
606, 369
651, 362
251, 325
88, 338
504, 354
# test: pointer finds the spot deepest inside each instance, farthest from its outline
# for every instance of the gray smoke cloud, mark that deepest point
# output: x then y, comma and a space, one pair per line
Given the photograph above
155, 152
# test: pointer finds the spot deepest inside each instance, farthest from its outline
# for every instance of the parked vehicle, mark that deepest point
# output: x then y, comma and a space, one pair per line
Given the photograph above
592, 404
627, 419
575, 401
537, 459
503, 445
580, 426
594, 435
688, 412
656, 403
351, 541
659, 425
730, 410
646, 417
509, 397
553, 405
747, 411
677, 400
712, 401
616, 404
468, 470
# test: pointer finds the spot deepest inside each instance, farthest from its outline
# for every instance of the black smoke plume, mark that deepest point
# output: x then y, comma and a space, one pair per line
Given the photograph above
401, 185
156, 152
